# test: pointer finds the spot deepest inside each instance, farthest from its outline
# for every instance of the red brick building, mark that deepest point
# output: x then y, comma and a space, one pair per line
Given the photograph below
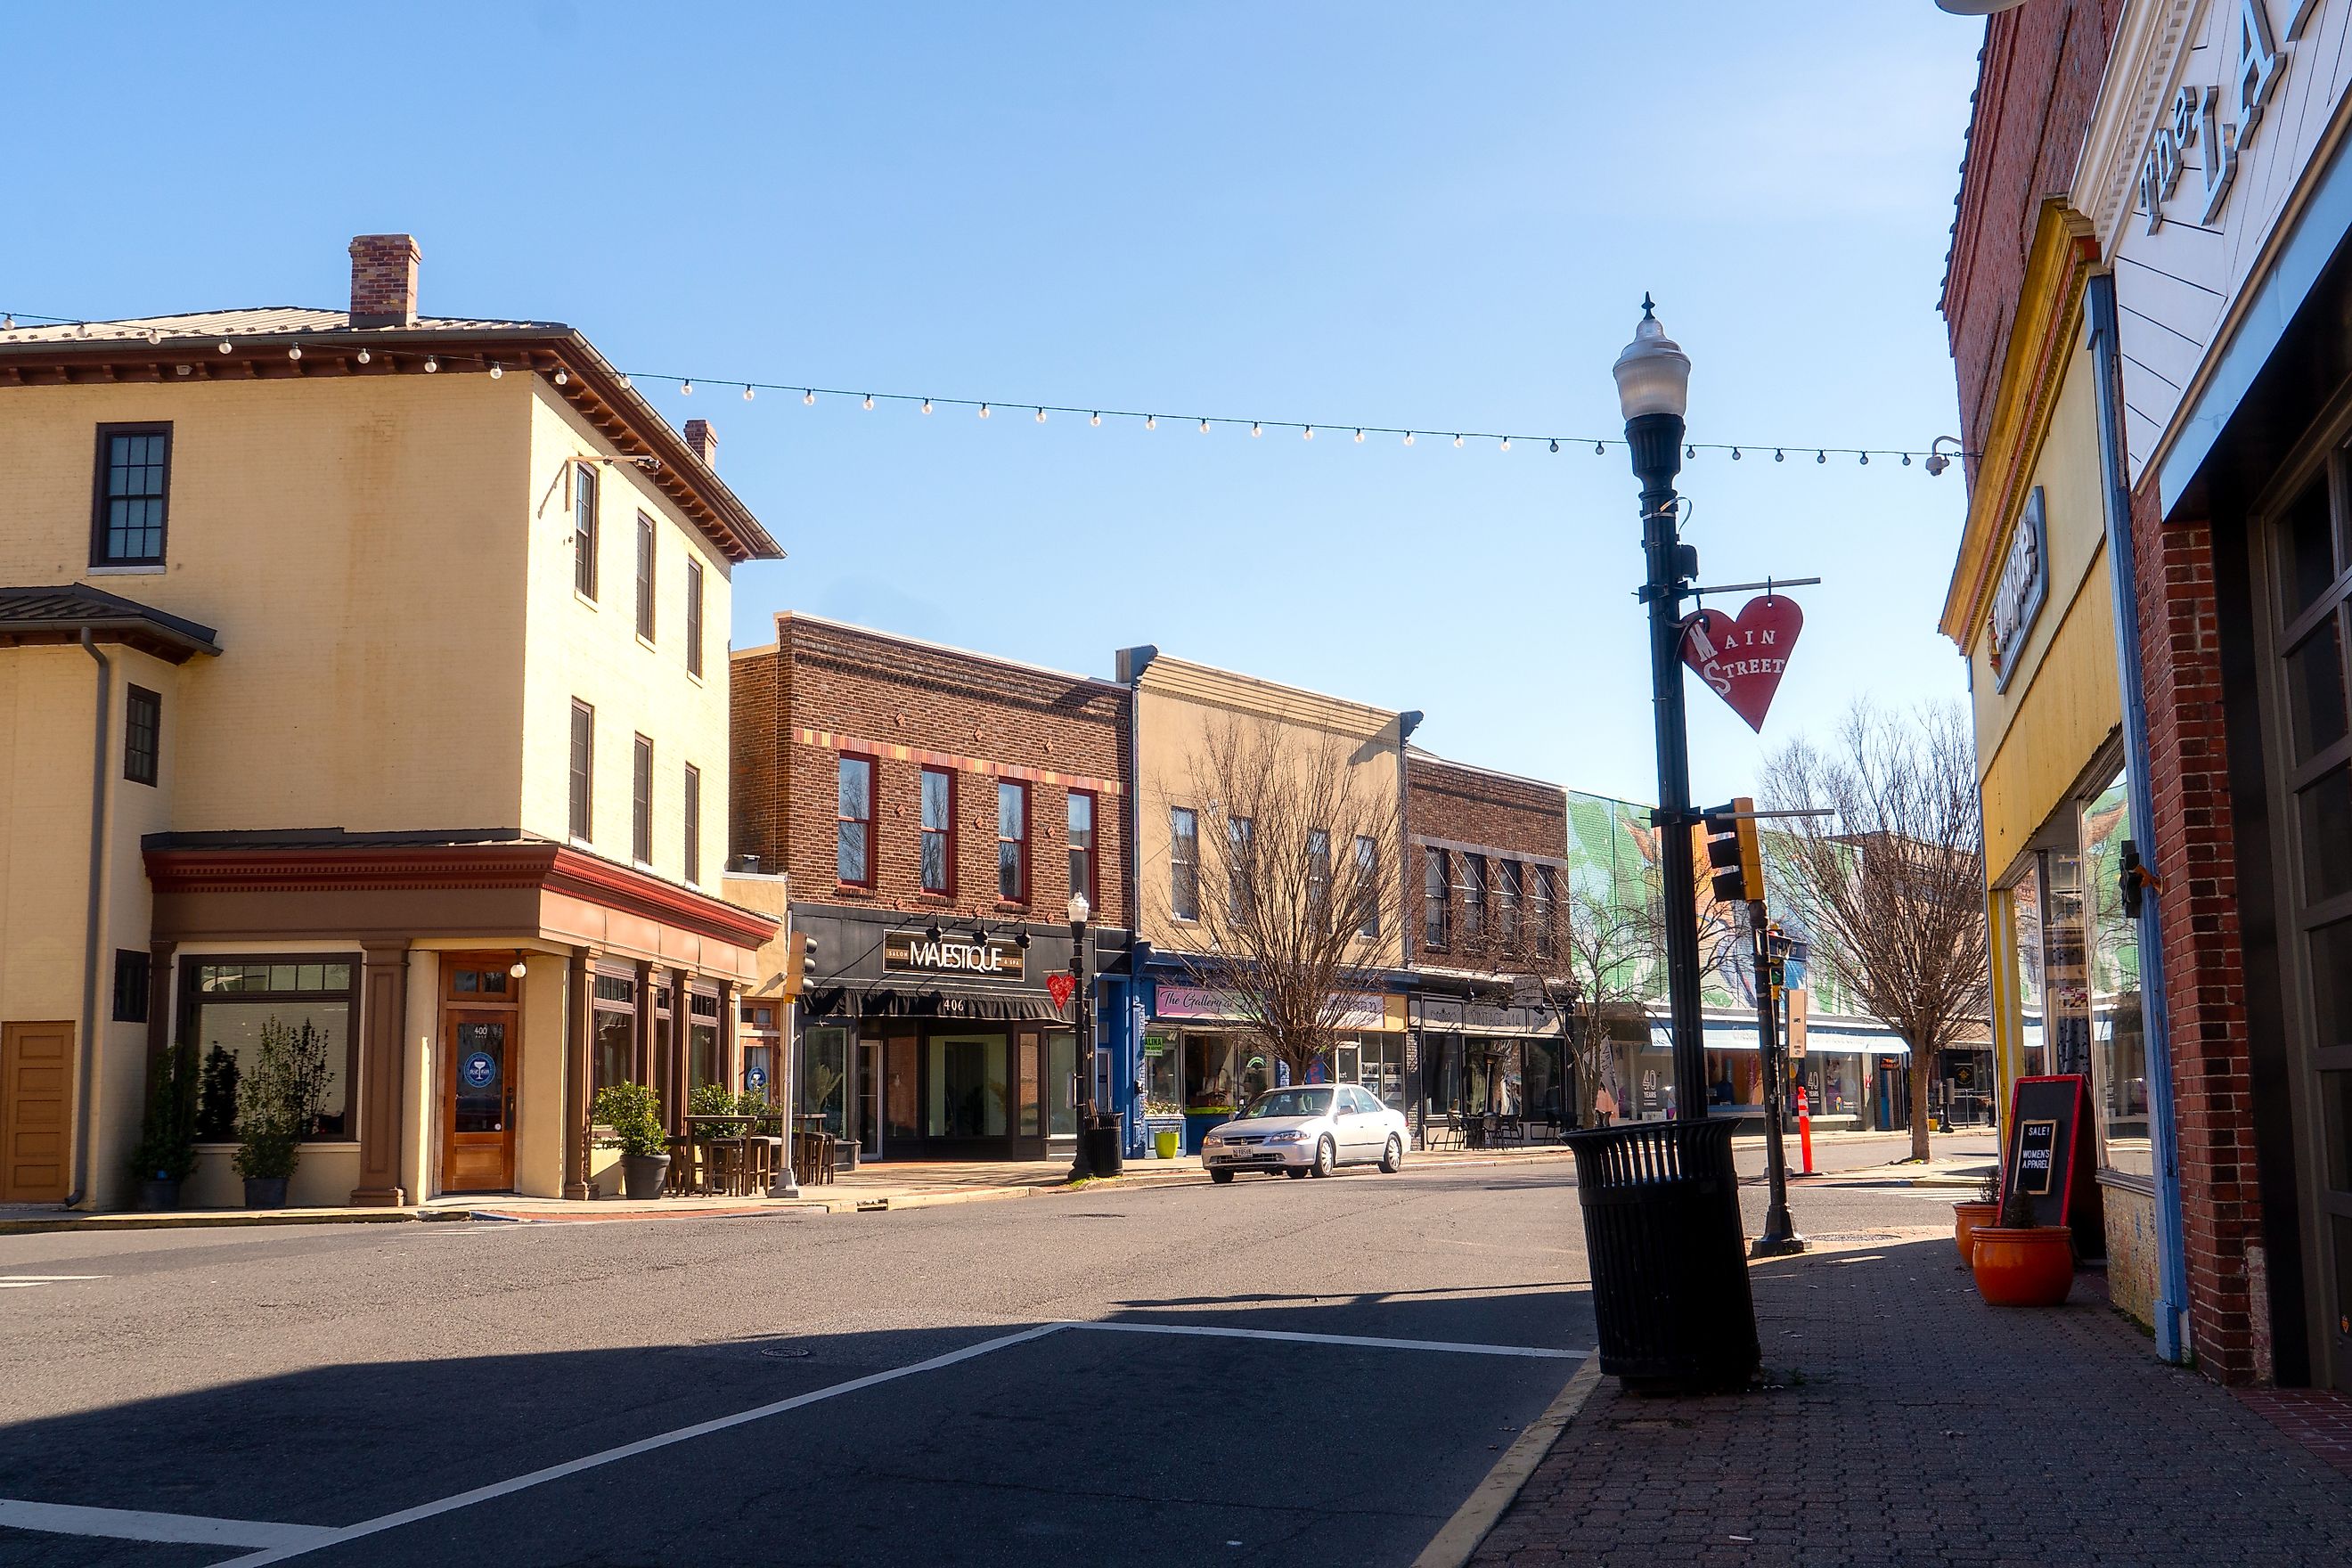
935, 812
1486, 853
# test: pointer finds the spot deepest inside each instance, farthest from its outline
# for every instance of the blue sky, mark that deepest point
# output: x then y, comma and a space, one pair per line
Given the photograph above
1443, 217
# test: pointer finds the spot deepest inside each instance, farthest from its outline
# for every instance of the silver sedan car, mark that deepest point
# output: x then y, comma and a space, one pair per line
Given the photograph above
1308, 1129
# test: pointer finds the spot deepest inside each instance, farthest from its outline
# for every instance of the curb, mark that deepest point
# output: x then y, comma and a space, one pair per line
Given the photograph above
201, 1221
1485, 1507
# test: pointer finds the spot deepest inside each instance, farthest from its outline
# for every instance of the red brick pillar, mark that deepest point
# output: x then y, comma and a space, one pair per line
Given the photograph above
2204, 964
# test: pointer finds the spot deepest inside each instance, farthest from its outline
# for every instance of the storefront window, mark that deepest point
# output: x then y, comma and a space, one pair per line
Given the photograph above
616, 1030
233, 1005
1061, 1082
702, 1063
1441, 1074
2066, 991
2025, 931
969, 1086
1543, 1078
824, 1073
2118, 1037
1208, 1073
1163, 1089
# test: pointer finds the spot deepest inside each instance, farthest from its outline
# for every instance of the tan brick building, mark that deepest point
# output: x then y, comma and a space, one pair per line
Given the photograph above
360, 674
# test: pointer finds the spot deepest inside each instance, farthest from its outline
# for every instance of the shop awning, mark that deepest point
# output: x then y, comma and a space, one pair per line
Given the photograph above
941, 999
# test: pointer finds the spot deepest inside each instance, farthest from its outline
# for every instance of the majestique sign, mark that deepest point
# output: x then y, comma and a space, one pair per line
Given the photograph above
997, 958
2025, 584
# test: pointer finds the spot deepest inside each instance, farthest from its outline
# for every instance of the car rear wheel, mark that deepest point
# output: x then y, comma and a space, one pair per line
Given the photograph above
1326, 1158
1221, 1177
1392, 1157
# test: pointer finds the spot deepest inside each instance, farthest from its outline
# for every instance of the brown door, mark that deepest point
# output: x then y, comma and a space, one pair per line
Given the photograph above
478, 1101
36, 1092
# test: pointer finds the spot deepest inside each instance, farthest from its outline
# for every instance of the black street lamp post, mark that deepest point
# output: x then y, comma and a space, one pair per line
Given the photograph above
1653, 390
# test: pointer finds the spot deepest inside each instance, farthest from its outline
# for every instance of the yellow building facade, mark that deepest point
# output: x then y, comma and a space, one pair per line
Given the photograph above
363, 671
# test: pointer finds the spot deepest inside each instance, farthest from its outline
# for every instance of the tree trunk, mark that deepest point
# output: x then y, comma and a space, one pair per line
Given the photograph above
1923, 1065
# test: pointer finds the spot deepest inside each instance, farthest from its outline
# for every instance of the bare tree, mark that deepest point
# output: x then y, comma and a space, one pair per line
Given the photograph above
1288, 899
1614, 954
1891, 881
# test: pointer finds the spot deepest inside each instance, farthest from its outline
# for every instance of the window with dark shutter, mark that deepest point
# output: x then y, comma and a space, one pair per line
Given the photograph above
694, 617
645, 576
641, 805
583, 758
142, 736
693, 819
583, 531
133, 971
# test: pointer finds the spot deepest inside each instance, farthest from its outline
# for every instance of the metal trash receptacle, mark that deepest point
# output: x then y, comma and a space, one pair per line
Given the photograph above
1663, 1236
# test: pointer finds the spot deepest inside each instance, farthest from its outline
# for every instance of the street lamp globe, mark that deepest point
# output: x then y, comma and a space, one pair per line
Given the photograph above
1078, 908
1653, 373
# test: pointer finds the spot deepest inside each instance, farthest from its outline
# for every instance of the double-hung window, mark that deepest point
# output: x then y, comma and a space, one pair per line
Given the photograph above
142, 736
854, 826
1241, 866
1367, 888
583, 531
1012, 841
939, 831
1319, 877
583, 761
641, 805
1506, 902
693, 617
693, 824
1082, 847
1183, 863
1473, 896
645, 576
1540, 915
1436, 900
134, 483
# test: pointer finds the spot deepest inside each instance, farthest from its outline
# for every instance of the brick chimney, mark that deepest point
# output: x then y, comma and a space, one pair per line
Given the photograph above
705, 442
384, 280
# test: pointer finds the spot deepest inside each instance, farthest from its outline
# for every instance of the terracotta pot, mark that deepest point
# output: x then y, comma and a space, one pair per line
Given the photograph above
1966, 1217
2028, 1267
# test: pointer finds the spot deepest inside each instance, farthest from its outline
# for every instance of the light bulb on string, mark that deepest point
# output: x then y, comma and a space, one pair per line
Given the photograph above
1599, 449
1306, 434
1820, 457
808, 395
497, 370
1458, 442
686, 388
1256, 429
869, 403
1094, 418
562, 378
1690, 454
1204, 426
431, 365
747, 392
1865, 459
1040, 416
559, 375
1506, 443
1151, 422
1734, 454
1555, 443
1778, 456
927, 405
294, 352
225, 345
1360, 438
626, 382
1906, 459
1408, 438
983, 411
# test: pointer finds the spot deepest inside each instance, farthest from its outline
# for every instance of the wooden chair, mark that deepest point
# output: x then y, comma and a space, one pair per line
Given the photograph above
682, 1174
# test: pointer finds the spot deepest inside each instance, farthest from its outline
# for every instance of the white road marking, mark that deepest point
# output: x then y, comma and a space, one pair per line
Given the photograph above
630, 1450
27, 1281
1456, 1346
129, 1524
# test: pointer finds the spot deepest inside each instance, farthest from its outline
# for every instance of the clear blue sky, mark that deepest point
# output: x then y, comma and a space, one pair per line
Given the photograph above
1402, 215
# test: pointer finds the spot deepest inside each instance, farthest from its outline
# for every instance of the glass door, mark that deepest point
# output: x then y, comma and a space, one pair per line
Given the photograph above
869, 1099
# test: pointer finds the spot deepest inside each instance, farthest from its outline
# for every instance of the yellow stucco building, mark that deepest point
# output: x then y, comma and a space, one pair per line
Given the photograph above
367, 672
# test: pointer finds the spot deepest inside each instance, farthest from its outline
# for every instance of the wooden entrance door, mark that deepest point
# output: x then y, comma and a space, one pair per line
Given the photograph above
479, 1058
36, 1095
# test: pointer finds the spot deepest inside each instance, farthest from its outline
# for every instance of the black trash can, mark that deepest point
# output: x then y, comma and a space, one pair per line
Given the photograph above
1662, 1229
1105, 1155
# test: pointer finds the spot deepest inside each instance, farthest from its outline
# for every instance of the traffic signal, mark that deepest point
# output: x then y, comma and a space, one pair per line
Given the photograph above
800, 957
1733, 855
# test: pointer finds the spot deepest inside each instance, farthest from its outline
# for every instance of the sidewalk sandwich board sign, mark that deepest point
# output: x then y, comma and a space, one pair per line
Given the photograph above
2042, 1155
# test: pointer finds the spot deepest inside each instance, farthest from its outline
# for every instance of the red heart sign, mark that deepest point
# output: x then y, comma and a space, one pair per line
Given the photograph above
1744, 659
1059, 987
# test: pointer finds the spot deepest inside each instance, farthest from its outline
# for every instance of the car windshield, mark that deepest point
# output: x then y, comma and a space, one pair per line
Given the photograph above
1289, 1102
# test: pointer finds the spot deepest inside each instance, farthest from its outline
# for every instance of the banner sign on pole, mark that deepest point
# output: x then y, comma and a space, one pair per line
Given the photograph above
1742, 659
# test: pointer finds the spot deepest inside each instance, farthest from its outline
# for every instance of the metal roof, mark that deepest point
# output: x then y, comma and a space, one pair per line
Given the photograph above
55, 614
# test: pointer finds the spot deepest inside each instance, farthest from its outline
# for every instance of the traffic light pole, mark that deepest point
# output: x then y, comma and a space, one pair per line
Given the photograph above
1780, 1236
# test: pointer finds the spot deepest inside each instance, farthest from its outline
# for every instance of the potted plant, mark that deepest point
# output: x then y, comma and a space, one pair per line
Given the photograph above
217, 1097
166, 1154
629, 1115
278, 1101
2018, 1263
1970, 1212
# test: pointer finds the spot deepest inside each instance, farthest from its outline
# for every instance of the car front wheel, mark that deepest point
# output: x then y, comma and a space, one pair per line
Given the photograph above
1392, 1157
1296, 1173
1326, 1157
1221, 1177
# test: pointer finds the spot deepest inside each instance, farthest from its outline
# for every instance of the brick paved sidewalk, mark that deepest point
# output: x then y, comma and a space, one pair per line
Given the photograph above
1911, 1424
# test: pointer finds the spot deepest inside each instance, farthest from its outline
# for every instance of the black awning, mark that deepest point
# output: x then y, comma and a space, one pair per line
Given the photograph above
935, 999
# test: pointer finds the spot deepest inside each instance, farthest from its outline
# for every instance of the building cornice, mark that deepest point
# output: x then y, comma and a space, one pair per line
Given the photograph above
2044, 331
2144, 64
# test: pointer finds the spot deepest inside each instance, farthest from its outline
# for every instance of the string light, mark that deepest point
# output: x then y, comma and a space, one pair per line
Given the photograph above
1094, 418
559, 375
1778, 456
685, 389
1555, 443
225, 345
1040, 416
869, 403
294, 352
1734, 454
1151, 422
747, 393
1597, 449
1865, 459
562, 377
1906, 459
1256, 429
808, 395
983, 411
1408, 438
927, 405
1689, 453
626, 382
1308, 433
431, 365
1204, 426
1458, 442
1506, 443
1820, 457
497, 370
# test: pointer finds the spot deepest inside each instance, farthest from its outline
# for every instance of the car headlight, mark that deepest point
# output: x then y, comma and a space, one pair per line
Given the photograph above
1283, 1137
1213, 1141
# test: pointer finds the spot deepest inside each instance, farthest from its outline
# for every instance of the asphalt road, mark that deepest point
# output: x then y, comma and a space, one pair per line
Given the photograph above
936, 1409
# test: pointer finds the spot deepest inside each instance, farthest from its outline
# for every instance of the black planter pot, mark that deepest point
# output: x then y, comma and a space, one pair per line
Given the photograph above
844, 1154
642, 1175
265, 1192
161, 1193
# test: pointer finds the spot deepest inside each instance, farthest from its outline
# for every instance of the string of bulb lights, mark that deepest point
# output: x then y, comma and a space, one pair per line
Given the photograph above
1935, 458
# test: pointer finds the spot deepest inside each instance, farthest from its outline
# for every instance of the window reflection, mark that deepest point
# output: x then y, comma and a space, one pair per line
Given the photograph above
2118, 1039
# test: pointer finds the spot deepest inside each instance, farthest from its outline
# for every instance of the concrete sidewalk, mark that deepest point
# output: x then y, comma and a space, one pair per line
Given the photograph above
1906, 1422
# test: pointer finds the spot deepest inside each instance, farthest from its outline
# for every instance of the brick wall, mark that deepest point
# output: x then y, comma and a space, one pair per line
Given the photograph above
826, 689
2037, 78
1505, 815
2180, 664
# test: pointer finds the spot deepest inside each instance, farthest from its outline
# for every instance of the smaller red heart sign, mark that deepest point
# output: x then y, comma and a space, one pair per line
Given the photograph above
1059, 987
1743, 659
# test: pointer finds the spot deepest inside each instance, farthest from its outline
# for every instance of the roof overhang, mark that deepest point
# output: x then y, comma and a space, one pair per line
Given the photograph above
32, 618
598, 392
